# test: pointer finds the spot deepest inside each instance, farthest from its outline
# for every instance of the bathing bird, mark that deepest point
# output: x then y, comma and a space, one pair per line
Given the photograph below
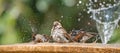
38, 38
59, 34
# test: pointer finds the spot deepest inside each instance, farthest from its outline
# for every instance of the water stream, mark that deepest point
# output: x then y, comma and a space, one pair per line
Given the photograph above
107, 19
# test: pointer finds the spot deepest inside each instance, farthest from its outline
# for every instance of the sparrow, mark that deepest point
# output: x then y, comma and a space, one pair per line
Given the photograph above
86, 36
77, 35
38, 38
59, 34
82, 36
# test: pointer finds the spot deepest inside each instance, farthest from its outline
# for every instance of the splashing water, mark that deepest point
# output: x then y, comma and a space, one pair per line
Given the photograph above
107, 19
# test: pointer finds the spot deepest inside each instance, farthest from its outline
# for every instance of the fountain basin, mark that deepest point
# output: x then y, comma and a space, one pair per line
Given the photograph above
60, 47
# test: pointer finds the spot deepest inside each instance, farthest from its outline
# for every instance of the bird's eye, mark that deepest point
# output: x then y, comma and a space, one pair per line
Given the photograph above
55, 24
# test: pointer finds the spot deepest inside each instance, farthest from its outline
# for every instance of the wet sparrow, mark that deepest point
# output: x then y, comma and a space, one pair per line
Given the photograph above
59, 34
37, 38
82, 36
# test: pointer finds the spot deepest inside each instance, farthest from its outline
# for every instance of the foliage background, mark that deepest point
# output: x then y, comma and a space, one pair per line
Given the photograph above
18, 17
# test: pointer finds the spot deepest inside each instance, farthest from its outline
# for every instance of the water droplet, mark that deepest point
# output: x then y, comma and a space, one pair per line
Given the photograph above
80, 2
102, 6
95, 0
107, 16
100, 18
78, 19
84, 9
103, 2
115, 1
89, 23
61, 16
91, 16
107, 4
90, 0
114, 5
88, 12
87, 4
100, 3
77, 4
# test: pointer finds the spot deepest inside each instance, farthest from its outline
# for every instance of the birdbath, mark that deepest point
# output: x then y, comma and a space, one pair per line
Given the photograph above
60, 48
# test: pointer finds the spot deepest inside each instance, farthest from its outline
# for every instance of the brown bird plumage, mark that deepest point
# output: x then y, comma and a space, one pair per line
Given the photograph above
59, 34
37, 38
83, 36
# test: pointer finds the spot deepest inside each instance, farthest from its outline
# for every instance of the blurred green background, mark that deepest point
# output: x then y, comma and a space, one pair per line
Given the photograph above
19, 17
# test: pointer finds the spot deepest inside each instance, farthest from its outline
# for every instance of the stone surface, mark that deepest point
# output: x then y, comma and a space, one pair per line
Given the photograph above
60, 47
